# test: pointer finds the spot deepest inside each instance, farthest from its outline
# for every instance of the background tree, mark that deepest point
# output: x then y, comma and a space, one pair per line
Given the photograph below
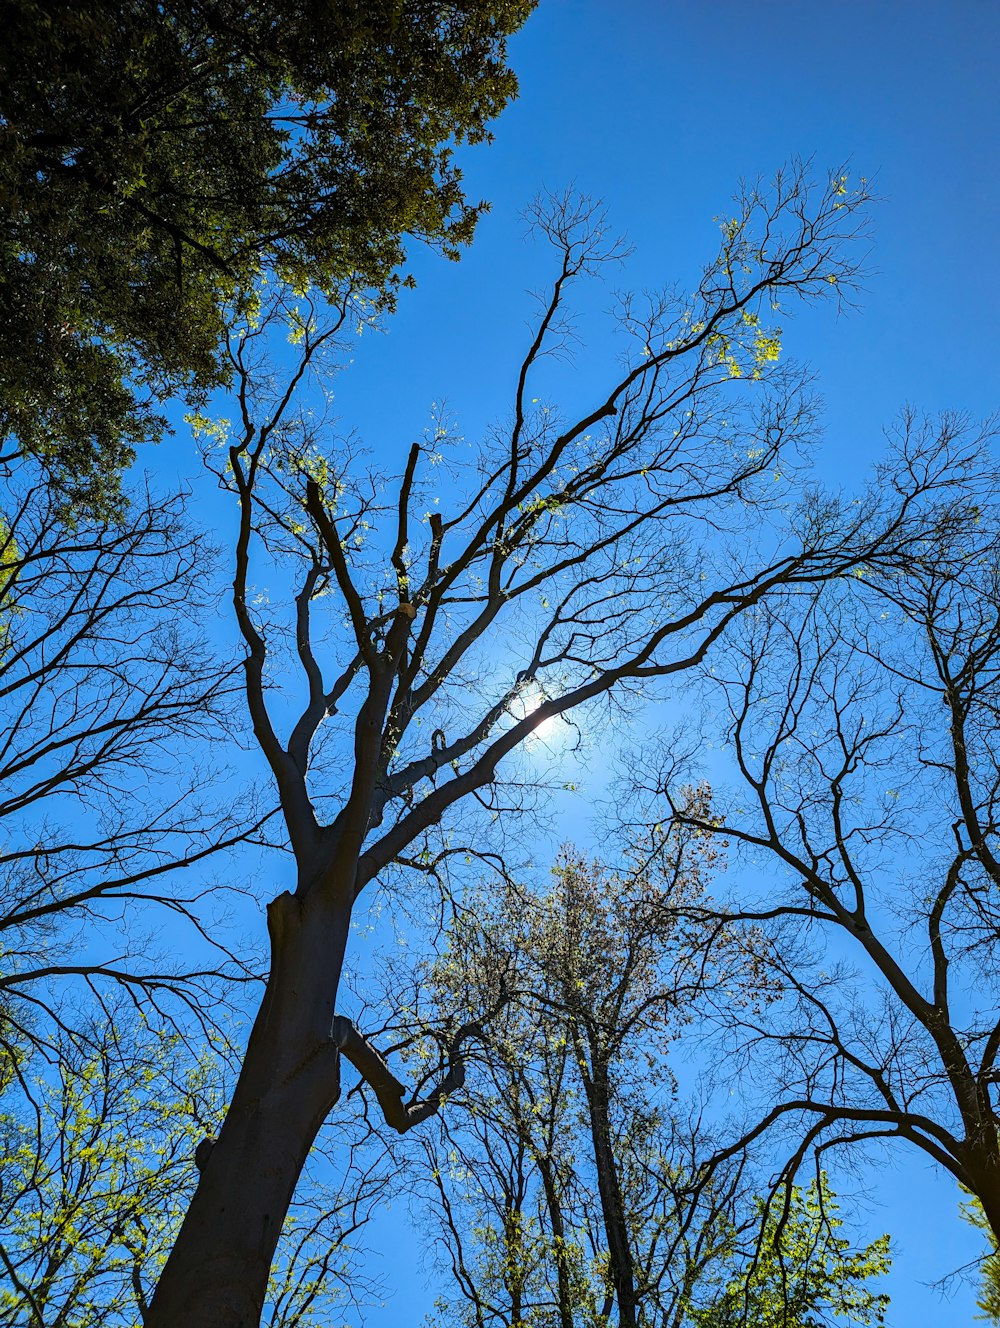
863, 722
988, 1266
98, 1160
98, 1154
106, 682
156, 159
800, 1273
575, 544
564, 1183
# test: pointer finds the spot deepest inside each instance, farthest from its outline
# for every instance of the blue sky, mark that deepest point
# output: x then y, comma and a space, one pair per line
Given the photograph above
660, 108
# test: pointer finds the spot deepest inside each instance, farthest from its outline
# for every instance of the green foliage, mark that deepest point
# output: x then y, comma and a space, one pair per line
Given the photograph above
802, 1274
97, 1165
156, 158
10, 561
98, 1161
989, 1269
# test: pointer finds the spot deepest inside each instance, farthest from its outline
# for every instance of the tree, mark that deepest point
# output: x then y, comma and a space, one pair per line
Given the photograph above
862, 717
105, 683
559, 1178
565, 1180
576, 544
801, 1273
98, 1159
156, 159
98, 1154
989, 1264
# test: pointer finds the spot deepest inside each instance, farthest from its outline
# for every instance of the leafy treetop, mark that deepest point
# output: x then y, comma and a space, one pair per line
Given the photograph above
157, 158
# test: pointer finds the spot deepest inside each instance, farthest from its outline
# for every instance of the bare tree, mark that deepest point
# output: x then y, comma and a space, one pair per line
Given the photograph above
107, 688
583, 557
863, 719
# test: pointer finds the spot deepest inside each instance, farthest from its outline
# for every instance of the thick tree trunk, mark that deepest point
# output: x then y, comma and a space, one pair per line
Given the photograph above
982, 1163
216, 1276
989, 1197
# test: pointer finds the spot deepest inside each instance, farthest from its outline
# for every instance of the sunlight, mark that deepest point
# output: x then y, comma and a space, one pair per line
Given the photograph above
528, 700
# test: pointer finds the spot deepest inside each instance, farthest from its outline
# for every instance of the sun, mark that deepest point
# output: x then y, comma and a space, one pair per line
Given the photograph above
524, 705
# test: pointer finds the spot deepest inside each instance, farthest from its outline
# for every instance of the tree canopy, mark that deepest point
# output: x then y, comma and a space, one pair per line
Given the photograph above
563, 1185
156, 159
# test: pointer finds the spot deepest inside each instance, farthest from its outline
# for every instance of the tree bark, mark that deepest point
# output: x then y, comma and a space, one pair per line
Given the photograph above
564, 1289
216, 1275
598, 1095
982, 1162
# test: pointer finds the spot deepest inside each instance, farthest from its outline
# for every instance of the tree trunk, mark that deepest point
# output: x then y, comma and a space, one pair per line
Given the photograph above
989, 1196
982, 1164
564, 1287
598, 1095
217, 1273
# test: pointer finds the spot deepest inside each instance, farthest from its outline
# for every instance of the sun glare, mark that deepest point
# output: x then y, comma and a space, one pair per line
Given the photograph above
525, 704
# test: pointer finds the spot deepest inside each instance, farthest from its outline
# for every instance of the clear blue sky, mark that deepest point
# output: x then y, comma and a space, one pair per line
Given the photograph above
660, 108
